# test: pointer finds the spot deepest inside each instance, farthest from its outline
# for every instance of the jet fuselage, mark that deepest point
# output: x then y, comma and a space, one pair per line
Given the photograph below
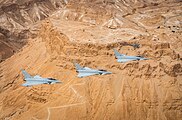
130, 57
92, 71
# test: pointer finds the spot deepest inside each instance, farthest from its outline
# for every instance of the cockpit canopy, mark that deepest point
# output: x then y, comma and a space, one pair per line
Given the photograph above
103, 70
139, 56
51, 79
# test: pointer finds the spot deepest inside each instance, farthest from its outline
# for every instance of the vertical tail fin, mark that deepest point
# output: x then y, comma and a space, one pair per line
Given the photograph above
116, 53
25, 74
78, 67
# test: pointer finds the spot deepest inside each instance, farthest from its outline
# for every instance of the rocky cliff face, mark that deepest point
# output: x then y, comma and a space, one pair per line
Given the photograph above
16, 19
143, 90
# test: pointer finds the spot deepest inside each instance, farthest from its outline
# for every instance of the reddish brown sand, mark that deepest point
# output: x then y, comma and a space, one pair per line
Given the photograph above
87, 32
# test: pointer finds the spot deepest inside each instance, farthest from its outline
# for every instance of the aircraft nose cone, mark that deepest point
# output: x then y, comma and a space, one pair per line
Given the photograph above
145, 59
107, 73
59, 81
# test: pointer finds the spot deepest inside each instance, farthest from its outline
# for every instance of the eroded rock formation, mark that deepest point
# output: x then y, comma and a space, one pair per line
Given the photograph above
87, 32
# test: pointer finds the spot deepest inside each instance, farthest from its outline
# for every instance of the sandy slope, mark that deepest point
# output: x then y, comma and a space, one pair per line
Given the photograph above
142, 90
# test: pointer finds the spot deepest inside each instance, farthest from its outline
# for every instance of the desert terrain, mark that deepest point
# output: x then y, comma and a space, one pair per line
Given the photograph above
44, 37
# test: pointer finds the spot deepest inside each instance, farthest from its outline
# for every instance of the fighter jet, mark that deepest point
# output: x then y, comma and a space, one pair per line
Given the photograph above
36, 80
124, 58
85, 71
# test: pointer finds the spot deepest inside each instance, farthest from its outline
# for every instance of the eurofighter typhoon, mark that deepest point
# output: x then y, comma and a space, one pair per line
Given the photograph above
124, 58
37, 80
86, 71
